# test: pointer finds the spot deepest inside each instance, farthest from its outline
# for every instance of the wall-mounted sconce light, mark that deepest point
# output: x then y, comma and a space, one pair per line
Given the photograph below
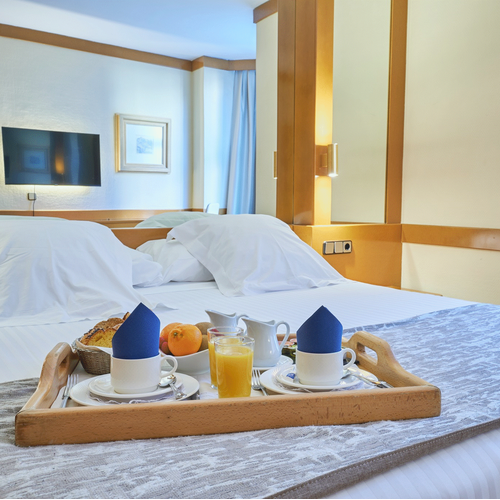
333, 160
327, 160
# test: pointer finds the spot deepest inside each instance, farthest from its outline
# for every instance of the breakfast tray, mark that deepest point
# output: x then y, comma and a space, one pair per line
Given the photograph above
39, 424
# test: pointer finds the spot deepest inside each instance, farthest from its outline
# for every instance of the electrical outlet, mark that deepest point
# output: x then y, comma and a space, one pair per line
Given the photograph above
335, 247
347, 246
31, 196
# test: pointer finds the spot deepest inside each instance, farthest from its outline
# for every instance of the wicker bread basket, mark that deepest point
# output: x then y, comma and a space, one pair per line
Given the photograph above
93, 360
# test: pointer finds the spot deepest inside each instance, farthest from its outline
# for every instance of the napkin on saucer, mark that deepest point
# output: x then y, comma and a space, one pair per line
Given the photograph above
139, 335
321, 333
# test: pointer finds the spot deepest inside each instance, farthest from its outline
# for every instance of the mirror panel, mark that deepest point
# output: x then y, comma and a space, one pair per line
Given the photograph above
360, 107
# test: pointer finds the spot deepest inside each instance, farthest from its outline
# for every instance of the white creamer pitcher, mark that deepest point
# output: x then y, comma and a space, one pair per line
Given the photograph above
221, 319
267, 350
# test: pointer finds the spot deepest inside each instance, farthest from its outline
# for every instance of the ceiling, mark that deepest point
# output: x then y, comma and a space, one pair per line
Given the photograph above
186, 29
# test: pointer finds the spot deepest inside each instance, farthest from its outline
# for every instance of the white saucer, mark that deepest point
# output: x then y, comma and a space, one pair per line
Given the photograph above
269, 381
80, 393
101, 387
284, 360
283, 376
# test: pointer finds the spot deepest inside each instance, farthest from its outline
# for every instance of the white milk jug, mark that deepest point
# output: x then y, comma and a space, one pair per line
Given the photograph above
267, 348
221, 319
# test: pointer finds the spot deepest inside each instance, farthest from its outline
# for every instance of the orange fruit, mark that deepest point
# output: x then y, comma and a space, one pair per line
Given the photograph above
164, 337
184, 339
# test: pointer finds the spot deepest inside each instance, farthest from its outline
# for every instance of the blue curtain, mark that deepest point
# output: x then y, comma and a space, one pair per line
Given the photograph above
241, 182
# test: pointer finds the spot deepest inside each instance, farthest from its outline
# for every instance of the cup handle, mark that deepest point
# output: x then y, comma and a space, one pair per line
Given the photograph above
167, 357
353, 357
285, 338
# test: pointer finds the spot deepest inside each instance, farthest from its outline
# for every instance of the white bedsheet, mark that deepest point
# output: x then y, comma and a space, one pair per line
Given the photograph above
466, 470
355, 304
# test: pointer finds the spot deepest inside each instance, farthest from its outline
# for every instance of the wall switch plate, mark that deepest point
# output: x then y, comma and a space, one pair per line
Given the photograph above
335, 247
339, 246
328, 248
31, 196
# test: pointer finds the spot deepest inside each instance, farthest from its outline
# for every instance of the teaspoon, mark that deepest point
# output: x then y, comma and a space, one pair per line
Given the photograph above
170, 380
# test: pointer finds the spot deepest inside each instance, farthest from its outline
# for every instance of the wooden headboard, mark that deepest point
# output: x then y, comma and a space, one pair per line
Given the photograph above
133, 237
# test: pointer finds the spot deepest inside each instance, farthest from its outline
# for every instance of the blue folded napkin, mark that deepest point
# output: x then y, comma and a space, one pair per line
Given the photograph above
139, 335
321, 333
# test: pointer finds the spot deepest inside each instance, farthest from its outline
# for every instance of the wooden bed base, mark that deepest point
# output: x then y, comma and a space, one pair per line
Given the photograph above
135, 236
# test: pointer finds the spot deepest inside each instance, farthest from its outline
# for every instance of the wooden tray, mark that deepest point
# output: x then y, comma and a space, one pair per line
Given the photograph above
38, 424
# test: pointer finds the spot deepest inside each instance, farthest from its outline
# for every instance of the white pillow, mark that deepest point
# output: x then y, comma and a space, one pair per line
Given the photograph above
252, 254
54, 271
145, 271
177, 263
172, 219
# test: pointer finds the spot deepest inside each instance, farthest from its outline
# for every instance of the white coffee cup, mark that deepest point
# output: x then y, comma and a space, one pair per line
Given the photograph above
322, 369
138, 376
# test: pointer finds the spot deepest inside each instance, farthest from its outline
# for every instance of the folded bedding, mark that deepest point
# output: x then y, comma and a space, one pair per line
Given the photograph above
54, 270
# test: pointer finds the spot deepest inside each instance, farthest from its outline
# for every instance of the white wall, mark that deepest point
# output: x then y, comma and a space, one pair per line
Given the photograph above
218, 108
53, 88
451, 173
266, 114
212, 114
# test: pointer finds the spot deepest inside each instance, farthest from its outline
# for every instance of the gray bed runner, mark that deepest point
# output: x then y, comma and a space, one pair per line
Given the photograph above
457, 350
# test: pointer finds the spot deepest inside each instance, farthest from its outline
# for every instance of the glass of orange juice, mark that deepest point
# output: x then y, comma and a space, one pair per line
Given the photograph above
234, 361
213, 334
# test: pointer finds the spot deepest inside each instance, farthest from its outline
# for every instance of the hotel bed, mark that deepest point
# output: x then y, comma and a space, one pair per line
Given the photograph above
58, 278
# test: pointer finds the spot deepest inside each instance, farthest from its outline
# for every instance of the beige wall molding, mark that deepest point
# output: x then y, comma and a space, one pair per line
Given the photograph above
110, 218
103, 49
265, 10
225, 64
451, 236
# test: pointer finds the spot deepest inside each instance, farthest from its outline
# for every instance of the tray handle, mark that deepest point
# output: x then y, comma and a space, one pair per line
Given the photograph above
58, 364
384, 366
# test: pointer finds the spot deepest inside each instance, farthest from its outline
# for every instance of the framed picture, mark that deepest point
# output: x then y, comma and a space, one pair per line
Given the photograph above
142, 144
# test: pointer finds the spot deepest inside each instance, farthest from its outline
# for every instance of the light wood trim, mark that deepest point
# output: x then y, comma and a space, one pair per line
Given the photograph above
305, 112
451, 236
286, 110
224, 64
396, 110
110, 218
376, 250
103, 49
265, 10
136, 236
242, 64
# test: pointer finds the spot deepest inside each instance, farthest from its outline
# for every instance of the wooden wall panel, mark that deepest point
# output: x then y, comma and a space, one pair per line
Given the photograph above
134, 237
376, 250
396, 110
286, 110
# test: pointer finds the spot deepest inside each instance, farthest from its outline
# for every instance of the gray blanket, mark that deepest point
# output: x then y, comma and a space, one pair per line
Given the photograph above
457, 350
